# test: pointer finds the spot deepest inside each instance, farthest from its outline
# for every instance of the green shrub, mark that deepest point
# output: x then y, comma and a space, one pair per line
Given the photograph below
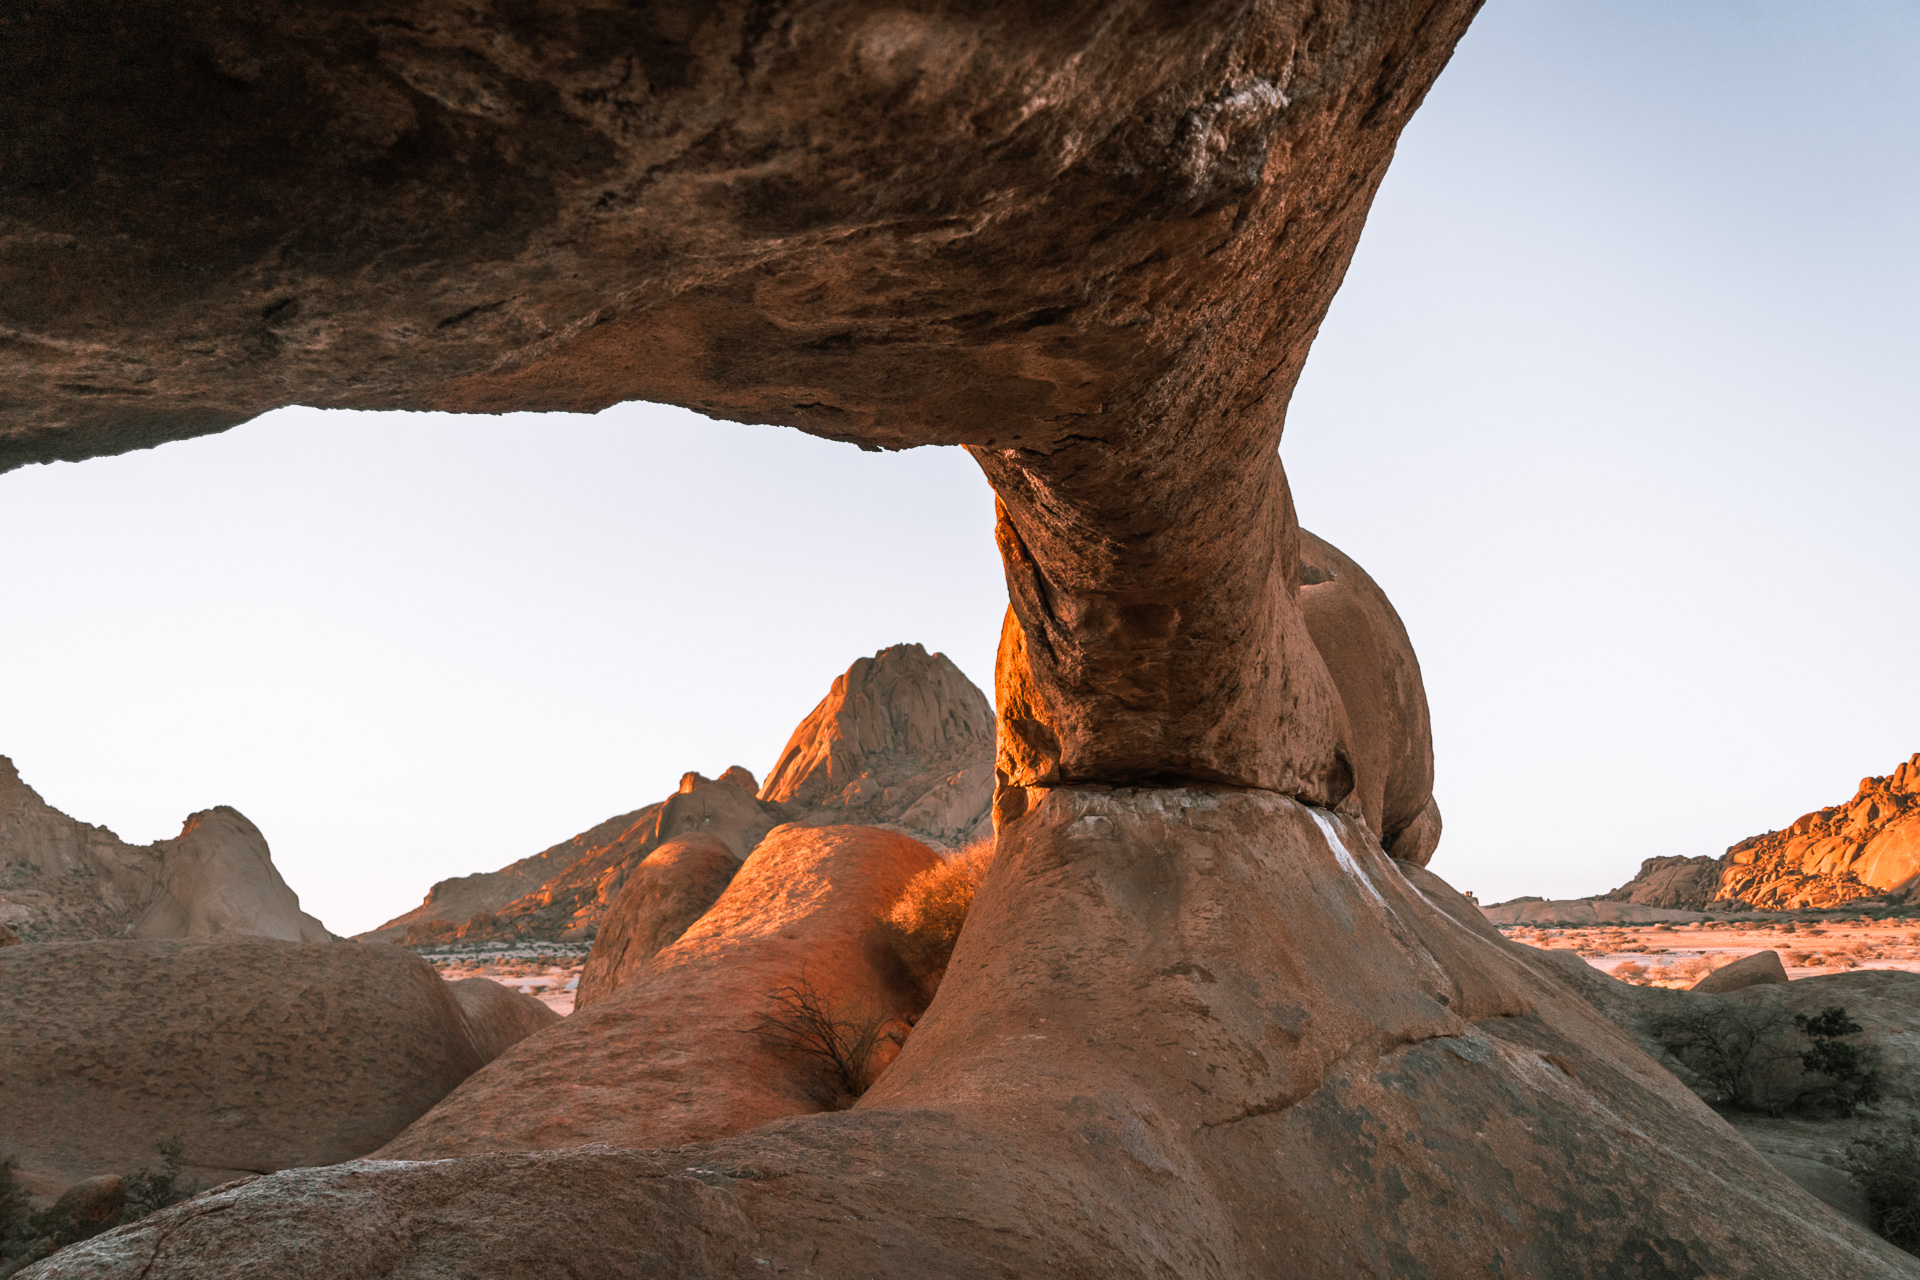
1887, 1166
1754, 1058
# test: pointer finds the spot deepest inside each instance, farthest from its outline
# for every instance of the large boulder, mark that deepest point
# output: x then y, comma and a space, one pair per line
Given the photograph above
671, 888
1371, 660
683, 1051
257, 1054
1139, 1064
498, 1017
1758, 969
64, 880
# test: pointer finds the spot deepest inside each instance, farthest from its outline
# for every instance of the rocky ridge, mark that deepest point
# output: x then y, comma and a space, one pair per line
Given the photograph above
902, 740
62, 880
1866, 849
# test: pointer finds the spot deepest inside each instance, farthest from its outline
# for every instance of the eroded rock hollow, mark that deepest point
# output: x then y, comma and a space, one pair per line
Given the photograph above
1200, 1024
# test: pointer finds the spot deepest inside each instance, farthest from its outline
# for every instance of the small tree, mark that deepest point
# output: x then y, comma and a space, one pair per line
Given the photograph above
1755, 1058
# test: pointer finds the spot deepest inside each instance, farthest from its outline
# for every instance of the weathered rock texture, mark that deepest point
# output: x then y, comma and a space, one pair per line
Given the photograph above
258, 1054
1188, 1031
1367, 652
903, 739
674, 1054
63, 880
566, 891
1139, 1064
498, 1017
671, 888
1866, 848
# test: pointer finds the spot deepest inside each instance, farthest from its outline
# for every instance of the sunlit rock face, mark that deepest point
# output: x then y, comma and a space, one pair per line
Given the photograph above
1866, 848
672, 1051
62, 880
903, 738
1139, 1063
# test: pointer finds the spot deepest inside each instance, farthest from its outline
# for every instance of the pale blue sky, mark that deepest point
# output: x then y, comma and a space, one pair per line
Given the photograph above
1618, 404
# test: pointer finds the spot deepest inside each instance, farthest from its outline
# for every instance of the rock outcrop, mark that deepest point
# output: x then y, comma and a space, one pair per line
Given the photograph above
257, 1054
1758, 969
903, 740
677, 1053
566, 891
63, 880
1867, 848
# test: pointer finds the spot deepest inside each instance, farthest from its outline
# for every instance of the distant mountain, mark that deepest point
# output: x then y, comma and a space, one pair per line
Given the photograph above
902, 739
1865, 849
62, 880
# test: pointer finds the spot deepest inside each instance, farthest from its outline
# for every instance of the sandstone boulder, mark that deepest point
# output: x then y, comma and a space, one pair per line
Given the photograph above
62, 880
257, 1054
498, 1017
671, 888
1136, 1065
1371, 660
676, 1054
1758, 969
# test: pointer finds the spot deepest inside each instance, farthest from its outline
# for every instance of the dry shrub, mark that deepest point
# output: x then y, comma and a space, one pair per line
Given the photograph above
924, 922
835, 1040
27, 1236
1631, 971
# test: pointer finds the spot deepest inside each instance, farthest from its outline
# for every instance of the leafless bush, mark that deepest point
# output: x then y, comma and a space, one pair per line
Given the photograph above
836, 1041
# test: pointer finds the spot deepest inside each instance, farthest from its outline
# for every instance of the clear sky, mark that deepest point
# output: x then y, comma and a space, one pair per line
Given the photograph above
1618, 403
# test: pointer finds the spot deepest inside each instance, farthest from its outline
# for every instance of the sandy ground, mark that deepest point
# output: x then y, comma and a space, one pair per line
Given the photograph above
1678, 955
549, 972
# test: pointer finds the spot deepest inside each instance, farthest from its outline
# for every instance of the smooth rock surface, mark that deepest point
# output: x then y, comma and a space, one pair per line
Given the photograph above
498, 1017
1758, 969
674, 1055
1136, 1066
670, 889
258, 1054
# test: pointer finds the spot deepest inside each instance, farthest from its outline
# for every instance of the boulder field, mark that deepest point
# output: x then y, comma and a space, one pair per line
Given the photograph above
257, 1054
1138, 1064
1199, 1022
64, 880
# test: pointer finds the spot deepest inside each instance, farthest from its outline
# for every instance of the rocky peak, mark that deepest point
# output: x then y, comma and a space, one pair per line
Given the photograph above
891, 729
1868, 847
